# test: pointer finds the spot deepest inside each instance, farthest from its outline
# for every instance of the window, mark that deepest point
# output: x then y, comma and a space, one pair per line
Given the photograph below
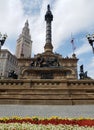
67, 72
3, 55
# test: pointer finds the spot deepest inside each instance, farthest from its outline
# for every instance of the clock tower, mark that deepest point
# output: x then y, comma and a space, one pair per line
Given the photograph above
24, 43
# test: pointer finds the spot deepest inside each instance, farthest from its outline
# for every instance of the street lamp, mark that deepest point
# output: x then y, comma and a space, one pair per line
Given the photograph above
91, 40
2, 39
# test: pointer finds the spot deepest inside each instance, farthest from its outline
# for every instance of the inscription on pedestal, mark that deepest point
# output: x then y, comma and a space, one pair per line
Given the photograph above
47, 75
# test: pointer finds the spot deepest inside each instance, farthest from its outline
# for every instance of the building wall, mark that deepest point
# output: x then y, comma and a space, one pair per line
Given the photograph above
8, 62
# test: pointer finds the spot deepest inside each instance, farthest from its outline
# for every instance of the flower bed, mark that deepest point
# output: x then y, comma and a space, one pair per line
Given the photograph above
53, 123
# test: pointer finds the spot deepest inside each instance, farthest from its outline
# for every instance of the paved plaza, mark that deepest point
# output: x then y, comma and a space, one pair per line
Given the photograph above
47, 110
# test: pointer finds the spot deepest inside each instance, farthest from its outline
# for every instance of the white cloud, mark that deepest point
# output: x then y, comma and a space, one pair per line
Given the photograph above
11, 21
11, 16
71, 16
85, 48
31, 6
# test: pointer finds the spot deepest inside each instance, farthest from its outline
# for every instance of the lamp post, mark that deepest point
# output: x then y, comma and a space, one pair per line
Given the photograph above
91, 40
2, 39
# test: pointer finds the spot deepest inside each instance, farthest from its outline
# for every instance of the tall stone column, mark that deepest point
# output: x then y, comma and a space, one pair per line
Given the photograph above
48, 18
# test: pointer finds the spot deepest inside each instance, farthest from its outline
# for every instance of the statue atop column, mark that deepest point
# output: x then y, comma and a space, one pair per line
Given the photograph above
48, 18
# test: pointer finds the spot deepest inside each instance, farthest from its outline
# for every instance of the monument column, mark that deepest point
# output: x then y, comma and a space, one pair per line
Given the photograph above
48, 18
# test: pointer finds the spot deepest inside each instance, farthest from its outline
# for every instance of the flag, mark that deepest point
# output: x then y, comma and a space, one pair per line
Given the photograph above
72, 40
73, 45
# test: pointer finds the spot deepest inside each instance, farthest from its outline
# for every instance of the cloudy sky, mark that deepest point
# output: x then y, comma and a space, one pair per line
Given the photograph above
74, 17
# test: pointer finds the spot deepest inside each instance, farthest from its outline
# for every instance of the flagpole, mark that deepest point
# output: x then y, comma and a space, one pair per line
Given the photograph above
72, 42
